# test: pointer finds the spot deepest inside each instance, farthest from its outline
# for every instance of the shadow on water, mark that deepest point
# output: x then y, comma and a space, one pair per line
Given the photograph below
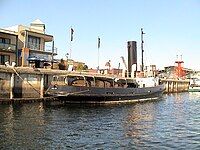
99, 105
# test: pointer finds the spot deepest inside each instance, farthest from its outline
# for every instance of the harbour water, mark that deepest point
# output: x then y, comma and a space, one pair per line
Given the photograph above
172, 122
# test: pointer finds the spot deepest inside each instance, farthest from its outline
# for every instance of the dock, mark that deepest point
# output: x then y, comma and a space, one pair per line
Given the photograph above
176, 85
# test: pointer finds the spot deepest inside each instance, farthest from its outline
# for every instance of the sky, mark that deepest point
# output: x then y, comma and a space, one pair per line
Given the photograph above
172, 27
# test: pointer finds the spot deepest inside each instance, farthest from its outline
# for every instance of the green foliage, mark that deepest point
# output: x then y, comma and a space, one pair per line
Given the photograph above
85, 67
81, 67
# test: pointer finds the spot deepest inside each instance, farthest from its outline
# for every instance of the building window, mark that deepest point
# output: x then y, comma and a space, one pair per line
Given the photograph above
33, 42
7, 41
4, 58
4, 40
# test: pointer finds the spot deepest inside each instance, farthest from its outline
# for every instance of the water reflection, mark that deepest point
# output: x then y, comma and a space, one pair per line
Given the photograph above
194, 95
149, 124
21, 123
169, 123
140, 121
6, 118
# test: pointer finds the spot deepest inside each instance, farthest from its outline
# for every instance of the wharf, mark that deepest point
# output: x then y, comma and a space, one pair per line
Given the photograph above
21, 83
39, 71
175, 85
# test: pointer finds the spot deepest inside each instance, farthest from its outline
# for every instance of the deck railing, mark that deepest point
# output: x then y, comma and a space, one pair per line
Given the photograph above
7, 47
40, 47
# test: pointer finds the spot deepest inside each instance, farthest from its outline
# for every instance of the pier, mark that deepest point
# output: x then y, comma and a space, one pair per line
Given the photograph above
175, 85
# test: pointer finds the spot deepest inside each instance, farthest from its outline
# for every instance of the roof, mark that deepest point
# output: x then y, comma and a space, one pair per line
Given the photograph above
4, 31
12, 28
47, 38
37, 21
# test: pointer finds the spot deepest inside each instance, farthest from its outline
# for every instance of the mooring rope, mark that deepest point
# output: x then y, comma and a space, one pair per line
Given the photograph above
47, 89
26, 80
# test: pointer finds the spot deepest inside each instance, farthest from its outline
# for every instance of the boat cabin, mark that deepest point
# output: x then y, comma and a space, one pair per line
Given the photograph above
94, 81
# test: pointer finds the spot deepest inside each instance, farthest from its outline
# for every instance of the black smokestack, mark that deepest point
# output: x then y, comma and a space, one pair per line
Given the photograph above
132, 54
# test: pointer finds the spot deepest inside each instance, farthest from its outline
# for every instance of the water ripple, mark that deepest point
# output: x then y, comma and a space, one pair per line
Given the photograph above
173, 122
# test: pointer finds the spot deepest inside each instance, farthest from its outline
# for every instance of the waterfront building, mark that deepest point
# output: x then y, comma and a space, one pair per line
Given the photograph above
171, 72
35, 47
8, 46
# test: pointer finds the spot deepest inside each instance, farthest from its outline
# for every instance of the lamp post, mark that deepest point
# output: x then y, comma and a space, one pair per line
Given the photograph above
67, 55
52, 53
98, 52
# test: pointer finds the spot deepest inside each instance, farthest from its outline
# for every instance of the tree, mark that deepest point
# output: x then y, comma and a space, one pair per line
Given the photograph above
61, 65
85, 67
79, 67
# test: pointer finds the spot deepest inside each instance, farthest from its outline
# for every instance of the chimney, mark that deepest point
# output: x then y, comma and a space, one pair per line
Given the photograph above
132, 57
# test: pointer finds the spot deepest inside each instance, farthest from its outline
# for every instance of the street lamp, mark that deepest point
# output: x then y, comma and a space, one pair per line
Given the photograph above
67, 55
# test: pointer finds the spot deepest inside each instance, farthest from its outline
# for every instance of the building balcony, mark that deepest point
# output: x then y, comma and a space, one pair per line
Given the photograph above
7, 47
48, 48
42, 48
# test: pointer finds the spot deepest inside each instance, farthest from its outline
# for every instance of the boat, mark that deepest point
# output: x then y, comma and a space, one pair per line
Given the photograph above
103, 89
88, 88
194, 85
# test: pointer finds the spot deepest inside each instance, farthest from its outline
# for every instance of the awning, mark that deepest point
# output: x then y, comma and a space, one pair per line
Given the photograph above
32, 59
37, 59
40, 59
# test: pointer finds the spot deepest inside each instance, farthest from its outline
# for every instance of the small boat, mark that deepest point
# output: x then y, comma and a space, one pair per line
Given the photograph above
194, 85
102, 89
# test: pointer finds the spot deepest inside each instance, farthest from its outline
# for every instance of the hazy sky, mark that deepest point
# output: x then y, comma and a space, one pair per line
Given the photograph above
172, 28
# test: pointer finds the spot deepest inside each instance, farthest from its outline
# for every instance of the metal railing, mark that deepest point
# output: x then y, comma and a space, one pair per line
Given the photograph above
7, 47
40, 47
34, 46
48, 48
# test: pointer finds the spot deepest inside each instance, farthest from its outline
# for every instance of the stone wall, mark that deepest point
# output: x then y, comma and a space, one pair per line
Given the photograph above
5, 85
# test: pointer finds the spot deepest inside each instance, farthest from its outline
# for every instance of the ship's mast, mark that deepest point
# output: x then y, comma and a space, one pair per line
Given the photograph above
142, 42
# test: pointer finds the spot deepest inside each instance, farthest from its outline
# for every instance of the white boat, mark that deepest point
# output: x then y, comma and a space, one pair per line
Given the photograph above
194, 85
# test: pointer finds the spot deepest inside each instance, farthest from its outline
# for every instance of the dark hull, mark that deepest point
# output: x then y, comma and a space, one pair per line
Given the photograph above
78, 94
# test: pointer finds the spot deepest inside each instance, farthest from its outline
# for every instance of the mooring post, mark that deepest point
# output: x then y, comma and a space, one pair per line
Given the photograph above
178, 88
172, 86
42, 86
12, 81
167, 83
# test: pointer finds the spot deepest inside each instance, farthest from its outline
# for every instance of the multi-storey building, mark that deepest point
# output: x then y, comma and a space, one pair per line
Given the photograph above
8, 46
34, 45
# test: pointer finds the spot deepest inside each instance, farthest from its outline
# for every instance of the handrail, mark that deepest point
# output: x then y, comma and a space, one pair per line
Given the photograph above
41, 47
7, 46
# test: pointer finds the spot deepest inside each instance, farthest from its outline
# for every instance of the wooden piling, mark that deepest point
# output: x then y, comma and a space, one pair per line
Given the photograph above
12, 81
175, 85
42, 86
